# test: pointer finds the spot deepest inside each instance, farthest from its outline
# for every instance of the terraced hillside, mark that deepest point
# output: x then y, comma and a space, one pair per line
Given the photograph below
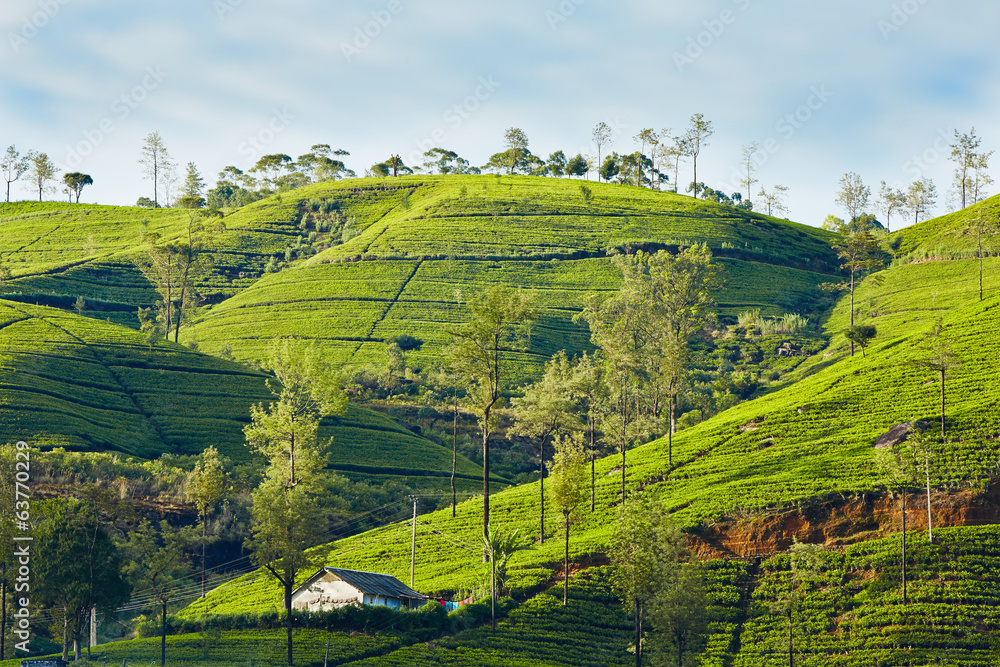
416, 249
852, 614
83, 384
772, 458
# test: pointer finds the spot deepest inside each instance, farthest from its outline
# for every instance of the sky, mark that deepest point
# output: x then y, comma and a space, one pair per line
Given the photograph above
875, 87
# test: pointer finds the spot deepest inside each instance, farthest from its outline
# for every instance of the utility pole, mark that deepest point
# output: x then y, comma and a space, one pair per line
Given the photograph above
413, 541
326, 658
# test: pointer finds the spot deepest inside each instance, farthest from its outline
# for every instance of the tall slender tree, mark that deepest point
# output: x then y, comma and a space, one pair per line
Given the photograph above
602, 135
890, 200
860, 255
288, 504
501, 323
938, 358
569, 485
853, 196
13, 165
964, 151
42, 171
159, 566
544, 412
208, 485
155, 162
921, 197
696, 138
750, 164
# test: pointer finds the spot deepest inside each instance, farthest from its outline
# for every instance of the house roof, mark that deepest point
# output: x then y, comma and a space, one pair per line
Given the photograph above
370, 583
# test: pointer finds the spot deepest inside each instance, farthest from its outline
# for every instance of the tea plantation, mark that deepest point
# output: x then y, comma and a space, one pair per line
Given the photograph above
810, 440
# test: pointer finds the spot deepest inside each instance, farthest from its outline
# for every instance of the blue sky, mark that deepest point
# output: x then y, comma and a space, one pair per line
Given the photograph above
870, 87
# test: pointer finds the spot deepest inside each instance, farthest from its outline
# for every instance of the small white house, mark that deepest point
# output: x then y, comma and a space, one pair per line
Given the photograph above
333, 587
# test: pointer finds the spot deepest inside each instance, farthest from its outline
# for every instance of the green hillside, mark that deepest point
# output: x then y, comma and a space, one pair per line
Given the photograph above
416, 251
953, 235
808, 441
83, 384
853, 616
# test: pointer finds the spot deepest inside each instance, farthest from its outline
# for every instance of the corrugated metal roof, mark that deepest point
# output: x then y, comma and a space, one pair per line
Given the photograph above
373, 583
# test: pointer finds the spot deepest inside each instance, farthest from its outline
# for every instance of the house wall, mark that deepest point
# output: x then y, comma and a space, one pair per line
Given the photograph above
326, 593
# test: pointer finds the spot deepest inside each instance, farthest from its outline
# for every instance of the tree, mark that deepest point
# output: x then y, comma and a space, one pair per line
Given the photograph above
601, 136
633, 167
649, 136
921, 197
557, 164
41, 170
577, 165
983, 227
645, 545
447, 162
610, 167
696, 138
78, 567
207, 486
963, 154
516, 148
679, 616
589, 390
569, 484
500, 546
806, 565
981, 180
775, 200
890, 200
287, 504
751, 166
853, 196
501, 321
154, 160
922, 453
193, 193
271, 167
861, 334
544, 412
616, 328
679, 303
861, 254
159, 566
938, 357
677, 152
13, 166
76, 182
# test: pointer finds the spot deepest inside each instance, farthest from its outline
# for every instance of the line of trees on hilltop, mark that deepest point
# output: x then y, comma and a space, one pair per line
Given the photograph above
40, 174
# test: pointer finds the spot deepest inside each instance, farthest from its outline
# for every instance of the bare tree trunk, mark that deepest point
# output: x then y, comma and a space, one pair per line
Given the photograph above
65, 641
638, 636
204, 571
288, 581
163, 634
486, 485
566, 559
541, 491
